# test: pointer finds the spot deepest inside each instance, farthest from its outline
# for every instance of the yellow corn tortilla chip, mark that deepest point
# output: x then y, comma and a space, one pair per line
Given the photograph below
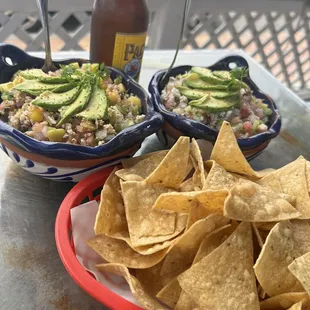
287, 240
248, 201
170, 293
150, 279
283, 301
118, 251
271, 182
186, 303
173, 168
129, 162
292, 178
300, 268
111, 218
218, 178
151, 248
301, 305
183, 252
145, 300
182, 201
142, 169
224, 279
147, 226
213, 240
226, 153
196, 213
187, 186
265, 226
199, 174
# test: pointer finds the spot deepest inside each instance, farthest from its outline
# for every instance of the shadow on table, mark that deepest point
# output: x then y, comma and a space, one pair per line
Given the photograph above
30, 267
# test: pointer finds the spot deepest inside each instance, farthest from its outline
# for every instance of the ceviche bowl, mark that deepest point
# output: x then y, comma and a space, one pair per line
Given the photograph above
176, 124
64, 161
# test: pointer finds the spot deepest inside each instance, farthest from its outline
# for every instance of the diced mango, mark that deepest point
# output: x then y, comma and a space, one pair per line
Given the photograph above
113, 98
56, 135
36, 115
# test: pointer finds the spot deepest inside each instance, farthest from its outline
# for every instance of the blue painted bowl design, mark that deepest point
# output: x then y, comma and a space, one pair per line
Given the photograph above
176, 125
71, 156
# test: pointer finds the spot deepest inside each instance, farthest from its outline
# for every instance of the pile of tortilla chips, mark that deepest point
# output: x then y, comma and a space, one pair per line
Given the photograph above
192, 234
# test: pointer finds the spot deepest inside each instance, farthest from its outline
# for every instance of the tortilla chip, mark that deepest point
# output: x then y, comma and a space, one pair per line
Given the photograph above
302, 305
292, 178
187, 186
218, 178
199, 174
170, 293
147, 226
226, 153
186, 303
118, 251
213, 240
224, 279
248, 201
184, 250
285, 241
150, 279
283, 301
129, 162
173, 168
196, 213
300, 268
145, 300
271, 182
151, 248
142, 169
258, 235
182, 202
111, 218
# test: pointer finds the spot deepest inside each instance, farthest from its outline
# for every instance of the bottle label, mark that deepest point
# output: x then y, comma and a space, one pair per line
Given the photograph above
128, 53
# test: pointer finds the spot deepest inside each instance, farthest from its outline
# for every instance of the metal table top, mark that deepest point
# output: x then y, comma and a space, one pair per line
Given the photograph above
31, 273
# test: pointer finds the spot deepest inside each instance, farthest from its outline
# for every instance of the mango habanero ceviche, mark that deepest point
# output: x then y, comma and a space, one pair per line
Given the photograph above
77, 105
211, 97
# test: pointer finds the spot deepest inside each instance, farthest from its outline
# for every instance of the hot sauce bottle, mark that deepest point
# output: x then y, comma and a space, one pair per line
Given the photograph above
118, 34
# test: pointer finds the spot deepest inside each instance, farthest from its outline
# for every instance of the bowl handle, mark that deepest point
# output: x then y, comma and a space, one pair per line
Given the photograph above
230, 62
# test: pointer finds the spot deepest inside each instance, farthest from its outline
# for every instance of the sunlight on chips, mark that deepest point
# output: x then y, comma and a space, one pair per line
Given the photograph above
283, 301
199, 174
173, 168
227, 153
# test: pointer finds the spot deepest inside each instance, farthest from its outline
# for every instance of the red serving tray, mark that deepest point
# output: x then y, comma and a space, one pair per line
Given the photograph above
84, 189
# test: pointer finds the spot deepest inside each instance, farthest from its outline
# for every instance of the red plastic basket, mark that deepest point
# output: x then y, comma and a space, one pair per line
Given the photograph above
86, 189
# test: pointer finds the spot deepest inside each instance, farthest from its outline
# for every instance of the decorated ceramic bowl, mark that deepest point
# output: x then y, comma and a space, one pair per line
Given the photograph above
67, 162
176, 125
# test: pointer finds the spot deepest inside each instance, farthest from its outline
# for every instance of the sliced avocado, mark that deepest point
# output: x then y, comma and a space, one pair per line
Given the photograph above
224, 75
32, 74
77, 105
35, 88
198, 93
208, 76
51, 101
52, 79
64, 87
210, 104
97, 106
197, 83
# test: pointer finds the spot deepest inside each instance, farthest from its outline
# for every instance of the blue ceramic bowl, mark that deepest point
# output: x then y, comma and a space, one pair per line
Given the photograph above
176, 125
61, 161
